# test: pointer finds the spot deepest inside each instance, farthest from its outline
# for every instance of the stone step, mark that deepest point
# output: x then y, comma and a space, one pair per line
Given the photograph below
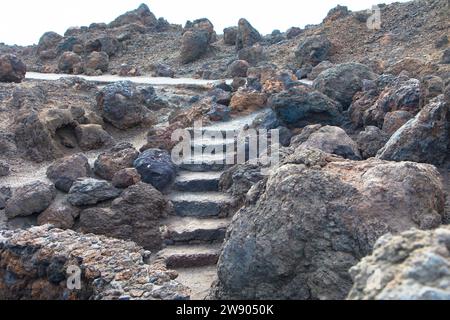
190, 256
204, 163
201, 205
197, 181
194, 230
217, 145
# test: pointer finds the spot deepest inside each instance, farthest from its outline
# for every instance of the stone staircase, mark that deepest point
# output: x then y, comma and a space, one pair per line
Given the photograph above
195, 233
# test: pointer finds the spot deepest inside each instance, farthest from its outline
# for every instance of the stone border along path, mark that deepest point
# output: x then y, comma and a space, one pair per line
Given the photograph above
194, 235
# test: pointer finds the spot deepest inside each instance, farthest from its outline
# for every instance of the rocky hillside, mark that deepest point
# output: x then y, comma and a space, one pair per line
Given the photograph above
145, 44
363, 121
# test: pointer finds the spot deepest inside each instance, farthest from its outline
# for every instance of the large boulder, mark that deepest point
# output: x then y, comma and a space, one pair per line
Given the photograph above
92, 137
60, 214
293, 32
370, 141
70, 62
30, 199
135, 216
313, 50
333, 140
422, 139
97, 61
301, 106
202, 24
48, 41
247, 101
194, 44
142, 15
230, 36
247, 36
64, 172
156, 168
253, 54
120, 157
315, 218
126, 105
89, 191
414, 265
343, 81
106, 44
12, 69
238, 68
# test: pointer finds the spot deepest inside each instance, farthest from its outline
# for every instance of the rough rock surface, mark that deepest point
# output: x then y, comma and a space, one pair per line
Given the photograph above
343, 81
156, 168
60, 214
64, 172
121, 156
395, 120
230, 35
414, 265
246, 35
315, 218
12, 69
424, 138
370, 141
135, 216
247, 101
301, 106
333, 140
30, 199
35, 264
92, 137
194, 44
125, 105
313, 50
71, 62
126, 178
238, 68
88, 191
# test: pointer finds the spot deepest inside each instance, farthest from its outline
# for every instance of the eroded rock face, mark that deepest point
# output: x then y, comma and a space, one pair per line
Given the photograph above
135, 216
34, 264
12, 69
301, 106
422, 139
124, 104
343, 81
64, 172
315, 218
246, 35
414, 265
30, 199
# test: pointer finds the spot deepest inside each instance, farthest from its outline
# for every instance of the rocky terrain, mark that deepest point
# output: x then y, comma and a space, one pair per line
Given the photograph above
356, 207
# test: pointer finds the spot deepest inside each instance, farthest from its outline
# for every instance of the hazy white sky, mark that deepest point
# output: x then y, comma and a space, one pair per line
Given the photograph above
24, 21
